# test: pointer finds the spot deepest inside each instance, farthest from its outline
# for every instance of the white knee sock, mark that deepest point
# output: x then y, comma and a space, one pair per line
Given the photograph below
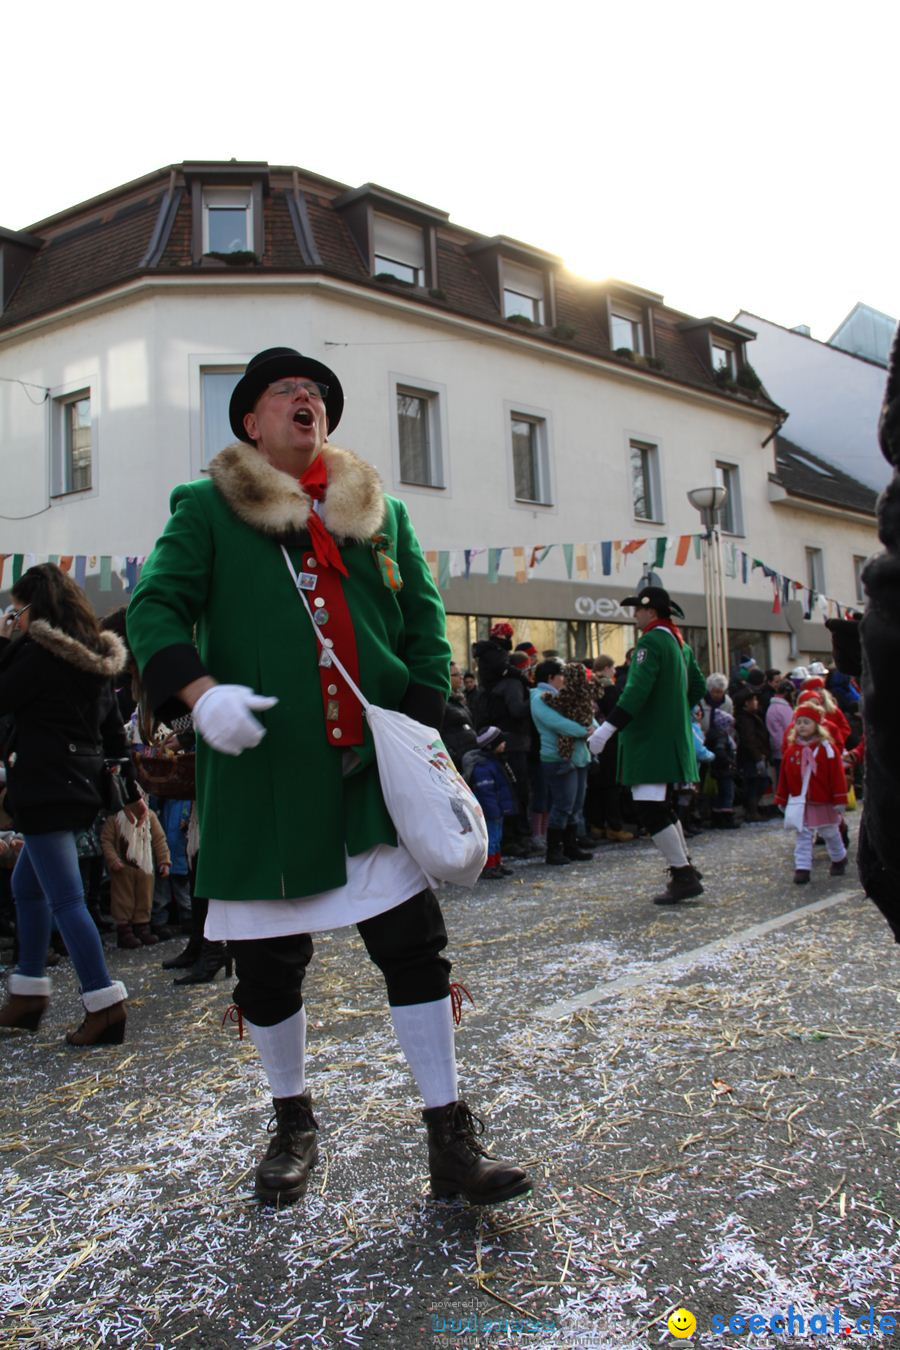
282, 1049
680, 828
671, 846
425, 1033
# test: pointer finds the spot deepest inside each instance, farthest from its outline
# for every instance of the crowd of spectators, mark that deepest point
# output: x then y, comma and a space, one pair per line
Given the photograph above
560, 802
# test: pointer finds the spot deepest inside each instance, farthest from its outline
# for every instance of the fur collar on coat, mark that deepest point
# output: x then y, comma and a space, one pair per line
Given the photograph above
111, 661
275, 504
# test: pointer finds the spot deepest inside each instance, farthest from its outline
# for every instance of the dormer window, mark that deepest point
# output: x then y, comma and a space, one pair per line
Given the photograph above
523, 292
398, 249
723, 358
227, 220
720, 346
626, 330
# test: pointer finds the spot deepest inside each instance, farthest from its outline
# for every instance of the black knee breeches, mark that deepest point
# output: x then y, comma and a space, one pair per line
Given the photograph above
654, 816
404, 942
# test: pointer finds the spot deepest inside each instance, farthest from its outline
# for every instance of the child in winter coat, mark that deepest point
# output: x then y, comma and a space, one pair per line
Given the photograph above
753, 751
721, 740
131, 852
810, 755
492, 783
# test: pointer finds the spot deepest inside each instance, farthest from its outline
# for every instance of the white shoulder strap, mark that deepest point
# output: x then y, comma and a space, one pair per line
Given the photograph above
332, 657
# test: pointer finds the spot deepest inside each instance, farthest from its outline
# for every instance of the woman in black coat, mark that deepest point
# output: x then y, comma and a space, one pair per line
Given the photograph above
55, 681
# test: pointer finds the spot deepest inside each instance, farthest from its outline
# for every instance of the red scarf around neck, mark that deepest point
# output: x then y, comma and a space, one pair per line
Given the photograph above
667, 623
314, 482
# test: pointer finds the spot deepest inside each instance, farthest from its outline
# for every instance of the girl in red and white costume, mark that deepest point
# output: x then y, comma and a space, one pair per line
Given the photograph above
809, 750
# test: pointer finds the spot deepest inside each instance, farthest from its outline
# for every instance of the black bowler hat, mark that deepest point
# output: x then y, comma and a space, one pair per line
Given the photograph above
277, 363
654, 597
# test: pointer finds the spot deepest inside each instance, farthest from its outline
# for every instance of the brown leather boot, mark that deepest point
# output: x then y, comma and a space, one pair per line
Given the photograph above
283, 1174
126, 936
145, 935
460, 1165
105, 1011
26, 1002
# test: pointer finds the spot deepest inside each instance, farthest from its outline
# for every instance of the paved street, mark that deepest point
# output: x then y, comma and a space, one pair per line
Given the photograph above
708, 1103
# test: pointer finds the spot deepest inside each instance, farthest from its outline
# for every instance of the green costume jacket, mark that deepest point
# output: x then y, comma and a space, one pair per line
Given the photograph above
216, 597
654, 712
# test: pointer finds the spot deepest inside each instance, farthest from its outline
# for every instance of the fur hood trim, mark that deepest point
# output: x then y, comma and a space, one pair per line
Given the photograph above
111, 661
274, 503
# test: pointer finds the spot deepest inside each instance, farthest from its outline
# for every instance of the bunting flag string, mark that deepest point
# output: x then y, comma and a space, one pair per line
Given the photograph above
583, 561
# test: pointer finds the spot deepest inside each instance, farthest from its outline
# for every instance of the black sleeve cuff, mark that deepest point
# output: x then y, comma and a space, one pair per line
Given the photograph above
424, 705
167, 671
619, 717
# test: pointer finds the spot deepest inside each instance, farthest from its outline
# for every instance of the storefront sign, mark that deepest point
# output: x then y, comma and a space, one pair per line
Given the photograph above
586, 606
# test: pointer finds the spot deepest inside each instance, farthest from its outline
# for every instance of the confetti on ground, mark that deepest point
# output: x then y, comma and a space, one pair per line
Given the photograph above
726, 1140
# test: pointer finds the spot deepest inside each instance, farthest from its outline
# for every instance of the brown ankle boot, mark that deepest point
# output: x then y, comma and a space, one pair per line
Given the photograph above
105, 1011
282, 1176
460, 1165
26, 1002
145, 935
126, 936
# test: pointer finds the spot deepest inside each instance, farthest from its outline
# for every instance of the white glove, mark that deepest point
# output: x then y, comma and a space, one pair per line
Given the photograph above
224, 717
597, 739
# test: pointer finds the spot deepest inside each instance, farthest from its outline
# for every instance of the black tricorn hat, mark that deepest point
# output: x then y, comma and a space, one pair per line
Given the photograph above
655, 597
275, 363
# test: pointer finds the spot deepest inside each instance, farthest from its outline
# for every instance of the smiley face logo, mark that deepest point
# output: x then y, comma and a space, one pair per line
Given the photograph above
682, 1323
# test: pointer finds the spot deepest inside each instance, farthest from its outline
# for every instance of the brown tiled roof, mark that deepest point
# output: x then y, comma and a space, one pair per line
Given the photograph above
87, 257
806, 475
102, 243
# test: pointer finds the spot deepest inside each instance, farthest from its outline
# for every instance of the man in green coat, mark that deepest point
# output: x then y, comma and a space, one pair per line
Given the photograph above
653, 719
289, 534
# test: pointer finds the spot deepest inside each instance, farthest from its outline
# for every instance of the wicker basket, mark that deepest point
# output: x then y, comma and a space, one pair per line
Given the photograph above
167, 775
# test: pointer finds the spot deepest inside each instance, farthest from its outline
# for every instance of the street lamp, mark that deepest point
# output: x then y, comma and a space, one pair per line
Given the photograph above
709, 502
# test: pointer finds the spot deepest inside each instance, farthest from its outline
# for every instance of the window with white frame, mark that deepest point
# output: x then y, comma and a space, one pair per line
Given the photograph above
227, 220
626, 330
419, 437
398, 250
72, 443
859, 563
216, 387
731, 517
723, 359
646, 495
815, 570
531, 470
523, 291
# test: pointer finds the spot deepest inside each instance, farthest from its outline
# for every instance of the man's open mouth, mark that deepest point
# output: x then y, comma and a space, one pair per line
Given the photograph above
304, 417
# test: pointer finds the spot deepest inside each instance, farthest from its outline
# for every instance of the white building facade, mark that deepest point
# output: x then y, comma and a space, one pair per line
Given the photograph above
512, 406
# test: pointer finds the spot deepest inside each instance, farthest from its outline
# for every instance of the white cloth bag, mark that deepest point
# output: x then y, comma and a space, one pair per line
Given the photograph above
435, 812
795, 811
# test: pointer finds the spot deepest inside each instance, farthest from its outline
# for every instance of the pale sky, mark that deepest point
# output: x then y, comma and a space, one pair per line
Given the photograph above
726, 155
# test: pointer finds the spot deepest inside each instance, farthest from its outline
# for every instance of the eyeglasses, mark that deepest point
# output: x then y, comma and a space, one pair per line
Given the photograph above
288, 388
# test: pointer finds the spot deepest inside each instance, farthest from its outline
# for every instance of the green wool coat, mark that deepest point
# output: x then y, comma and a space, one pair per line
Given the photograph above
664, 682
275, 820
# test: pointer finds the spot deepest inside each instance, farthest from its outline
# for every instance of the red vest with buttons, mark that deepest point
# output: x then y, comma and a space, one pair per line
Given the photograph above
341, 708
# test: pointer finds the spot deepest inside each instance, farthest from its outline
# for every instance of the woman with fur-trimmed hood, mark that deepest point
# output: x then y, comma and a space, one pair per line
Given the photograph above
296, 837
56, 681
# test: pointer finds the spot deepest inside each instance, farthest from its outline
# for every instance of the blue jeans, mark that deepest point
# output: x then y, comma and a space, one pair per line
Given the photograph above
494, 833
724, 800
561, 781
580, 793
47, 889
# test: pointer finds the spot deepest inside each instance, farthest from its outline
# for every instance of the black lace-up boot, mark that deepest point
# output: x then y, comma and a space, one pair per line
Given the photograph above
458, 1163
293, 1152
684, 884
